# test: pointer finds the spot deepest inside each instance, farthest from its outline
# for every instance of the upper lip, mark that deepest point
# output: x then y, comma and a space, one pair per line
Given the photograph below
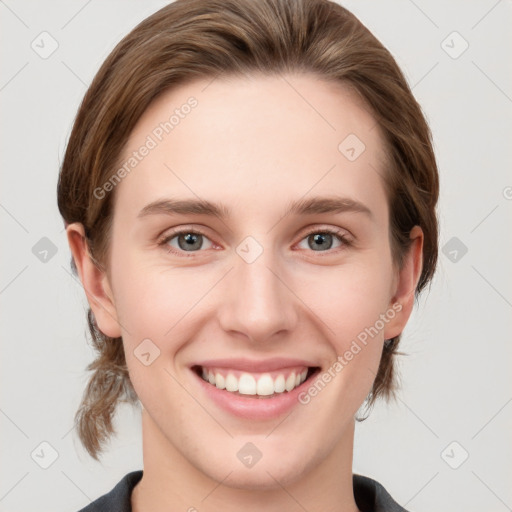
254, 365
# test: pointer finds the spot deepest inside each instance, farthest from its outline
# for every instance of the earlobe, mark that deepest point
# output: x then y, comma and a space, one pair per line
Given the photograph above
94, 281
408, 276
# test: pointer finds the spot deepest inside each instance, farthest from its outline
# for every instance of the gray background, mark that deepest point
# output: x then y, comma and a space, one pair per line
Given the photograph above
456, 392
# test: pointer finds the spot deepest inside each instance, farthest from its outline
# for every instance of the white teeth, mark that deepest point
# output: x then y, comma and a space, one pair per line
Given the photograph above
231, 383
247, 384
265, 385
220, 382
279, 384
290, 382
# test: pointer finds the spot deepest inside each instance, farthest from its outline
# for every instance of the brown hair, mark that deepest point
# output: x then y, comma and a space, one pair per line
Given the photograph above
191, 39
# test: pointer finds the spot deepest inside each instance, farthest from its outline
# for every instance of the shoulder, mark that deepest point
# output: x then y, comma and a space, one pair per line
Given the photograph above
118, 499
371, 496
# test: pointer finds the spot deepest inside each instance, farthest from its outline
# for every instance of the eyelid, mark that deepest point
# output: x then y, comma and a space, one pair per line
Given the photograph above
178, 231
329, 229
344, 236
181, 230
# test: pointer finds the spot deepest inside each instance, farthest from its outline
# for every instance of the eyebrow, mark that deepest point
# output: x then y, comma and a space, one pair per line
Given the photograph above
311, 206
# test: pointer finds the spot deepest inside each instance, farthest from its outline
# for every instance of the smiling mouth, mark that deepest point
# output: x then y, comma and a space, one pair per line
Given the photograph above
256, 385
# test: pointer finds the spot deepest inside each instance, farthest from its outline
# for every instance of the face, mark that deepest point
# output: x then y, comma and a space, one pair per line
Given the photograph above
264, 260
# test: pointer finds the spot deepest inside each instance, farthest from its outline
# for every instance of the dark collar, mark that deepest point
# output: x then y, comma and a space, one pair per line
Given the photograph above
369, 494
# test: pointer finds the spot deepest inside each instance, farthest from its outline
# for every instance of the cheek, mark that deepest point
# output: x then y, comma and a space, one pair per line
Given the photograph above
151, 300
153, 307
159, 309
349, 298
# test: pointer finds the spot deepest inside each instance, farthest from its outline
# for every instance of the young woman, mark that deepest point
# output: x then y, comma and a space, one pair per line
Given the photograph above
249, 191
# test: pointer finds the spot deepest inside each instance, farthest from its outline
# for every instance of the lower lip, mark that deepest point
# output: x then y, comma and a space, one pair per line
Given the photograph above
252, 407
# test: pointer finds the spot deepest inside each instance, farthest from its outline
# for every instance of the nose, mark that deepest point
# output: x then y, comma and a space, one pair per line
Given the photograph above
257, 301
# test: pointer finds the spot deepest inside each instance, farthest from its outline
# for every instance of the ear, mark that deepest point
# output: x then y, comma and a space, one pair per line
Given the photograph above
404, 285
94, 281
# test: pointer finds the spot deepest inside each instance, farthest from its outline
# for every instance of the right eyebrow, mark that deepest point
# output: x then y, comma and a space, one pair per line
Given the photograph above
184, 207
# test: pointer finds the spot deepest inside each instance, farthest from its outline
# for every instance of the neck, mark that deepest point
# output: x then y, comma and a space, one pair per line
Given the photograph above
171, 482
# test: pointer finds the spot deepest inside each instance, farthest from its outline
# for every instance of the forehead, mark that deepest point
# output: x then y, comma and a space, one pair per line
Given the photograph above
253, 139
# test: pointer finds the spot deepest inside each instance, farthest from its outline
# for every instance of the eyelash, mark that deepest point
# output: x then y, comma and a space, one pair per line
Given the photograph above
331, 231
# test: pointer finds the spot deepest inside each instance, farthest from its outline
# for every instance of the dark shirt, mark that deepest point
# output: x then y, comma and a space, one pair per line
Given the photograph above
370, 496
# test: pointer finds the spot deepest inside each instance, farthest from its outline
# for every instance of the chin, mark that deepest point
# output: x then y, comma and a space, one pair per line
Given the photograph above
275, 468
263, 478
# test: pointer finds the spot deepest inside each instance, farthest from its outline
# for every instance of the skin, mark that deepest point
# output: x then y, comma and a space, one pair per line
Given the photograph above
253, 144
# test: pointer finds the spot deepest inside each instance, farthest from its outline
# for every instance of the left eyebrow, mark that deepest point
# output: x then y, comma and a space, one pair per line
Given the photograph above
333, 204
314, 205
